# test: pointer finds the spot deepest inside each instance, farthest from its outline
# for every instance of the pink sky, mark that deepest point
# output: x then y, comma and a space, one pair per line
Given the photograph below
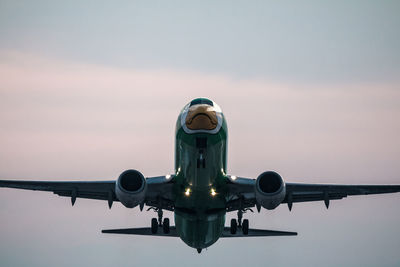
62, 120
310, 89
51, 107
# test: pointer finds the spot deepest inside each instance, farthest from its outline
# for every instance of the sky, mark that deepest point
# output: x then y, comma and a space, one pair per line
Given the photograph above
89, 89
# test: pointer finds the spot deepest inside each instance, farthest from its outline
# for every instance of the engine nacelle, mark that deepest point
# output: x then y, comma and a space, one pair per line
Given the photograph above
270, 190
130, 188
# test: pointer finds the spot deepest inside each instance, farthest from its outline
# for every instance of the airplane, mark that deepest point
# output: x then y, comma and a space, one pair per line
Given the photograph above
200, 192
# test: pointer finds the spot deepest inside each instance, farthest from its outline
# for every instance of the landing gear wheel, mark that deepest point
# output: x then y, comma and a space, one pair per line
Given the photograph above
166, 226
233, 226
154, 225
245, 226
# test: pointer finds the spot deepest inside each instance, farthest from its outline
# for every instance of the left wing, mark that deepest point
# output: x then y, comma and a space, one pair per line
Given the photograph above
242, 192
158, 190
298, 192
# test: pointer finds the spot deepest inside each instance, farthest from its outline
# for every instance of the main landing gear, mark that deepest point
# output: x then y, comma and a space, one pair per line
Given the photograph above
244, 226
159, 222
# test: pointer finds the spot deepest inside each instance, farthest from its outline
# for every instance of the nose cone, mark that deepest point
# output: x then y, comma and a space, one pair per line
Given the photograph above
201, 117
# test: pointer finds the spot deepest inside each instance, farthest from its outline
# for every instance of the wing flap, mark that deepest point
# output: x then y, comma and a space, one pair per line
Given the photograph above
88, 195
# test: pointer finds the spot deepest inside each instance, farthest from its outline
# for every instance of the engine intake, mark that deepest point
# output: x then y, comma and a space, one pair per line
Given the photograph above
270, 190
130, 188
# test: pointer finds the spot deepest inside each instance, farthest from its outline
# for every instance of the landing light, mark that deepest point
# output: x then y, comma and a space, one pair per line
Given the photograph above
233, 177
187, 192
168, 176
213, 193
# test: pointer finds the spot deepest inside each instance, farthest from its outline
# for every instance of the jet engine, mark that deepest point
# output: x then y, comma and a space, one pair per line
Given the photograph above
270, 190
130, 188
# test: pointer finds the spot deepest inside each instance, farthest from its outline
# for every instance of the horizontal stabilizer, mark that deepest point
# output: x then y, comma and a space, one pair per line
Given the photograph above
255, 232
142, 231
173, 233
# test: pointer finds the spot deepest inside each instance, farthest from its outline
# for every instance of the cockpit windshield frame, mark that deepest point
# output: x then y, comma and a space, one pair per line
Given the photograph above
198, 101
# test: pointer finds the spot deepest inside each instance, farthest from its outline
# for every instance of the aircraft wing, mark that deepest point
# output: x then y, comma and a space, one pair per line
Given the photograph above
298, 192
243, 192
158, 190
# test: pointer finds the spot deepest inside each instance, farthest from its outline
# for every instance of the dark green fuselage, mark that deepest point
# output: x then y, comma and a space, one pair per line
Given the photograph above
200, 169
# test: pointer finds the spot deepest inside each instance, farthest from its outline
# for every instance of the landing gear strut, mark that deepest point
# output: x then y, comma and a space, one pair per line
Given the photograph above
240, 216
160, 214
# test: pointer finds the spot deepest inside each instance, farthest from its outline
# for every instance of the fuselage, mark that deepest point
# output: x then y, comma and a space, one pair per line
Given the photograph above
200, 173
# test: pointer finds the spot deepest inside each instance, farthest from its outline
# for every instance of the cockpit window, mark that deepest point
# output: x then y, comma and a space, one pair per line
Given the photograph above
201, 101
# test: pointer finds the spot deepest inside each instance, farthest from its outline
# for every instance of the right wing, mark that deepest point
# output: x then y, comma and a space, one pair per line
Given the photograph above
102, 190
158, 194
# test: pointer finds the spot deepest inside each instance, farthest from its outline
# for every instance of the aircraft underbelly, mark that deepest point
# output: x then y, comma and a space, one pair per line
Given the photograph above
200, 167
199, 230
